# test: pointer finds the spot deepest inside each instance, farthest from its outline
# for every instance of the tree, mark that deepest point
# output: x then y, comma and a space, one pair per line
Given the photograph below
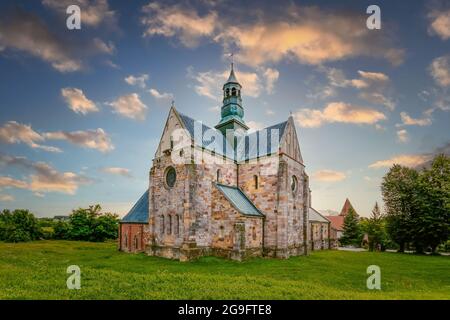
418, 204
19, 225
91, 225
352, 232
398, 188
374, 229
432, 205
106, 227
62, 230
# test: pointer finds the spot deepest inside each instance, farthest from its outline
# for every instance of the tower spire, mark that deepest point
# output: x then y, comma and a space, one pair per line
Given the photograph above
232, 112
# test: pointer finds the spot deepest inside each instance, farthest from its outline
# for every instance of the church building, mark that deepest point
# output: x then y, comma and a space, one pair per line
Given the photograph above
225, 191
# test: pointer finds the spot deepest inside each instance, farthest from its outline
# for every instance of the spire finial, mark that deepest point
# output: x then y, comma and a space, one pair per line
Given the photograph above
232, 60
172, 104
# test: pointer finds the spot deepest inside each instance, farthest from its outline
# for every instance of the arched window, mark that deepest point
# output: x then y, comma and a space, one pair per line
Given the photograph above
171, 143
162, 226
218, 175
170, 225
254, 233
126, 240
177, 225
135, 242
239, 93
221, 232
294, 183
227, 92
233, 91
255, 180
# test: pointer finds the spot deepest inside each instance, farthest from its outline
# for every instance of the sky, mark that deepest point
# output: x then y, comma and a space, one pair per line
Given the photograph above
82, 110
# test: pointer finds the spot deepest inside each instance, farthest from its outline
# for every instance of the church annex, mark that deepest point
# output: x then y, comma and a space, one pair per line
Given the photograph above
225, 191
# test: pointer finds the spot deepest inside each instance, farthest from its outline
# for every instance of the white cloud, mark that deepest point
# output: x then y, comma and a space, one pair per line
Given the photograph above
130, 106
271, 76
329, 175
402, 136
160, 95
440, 70
373, 85
93, 13
137, 80
407, 160
254, 126
8, 182
26, 32
6, 198
103, 47
337, 112
409, 121
77, 101
117, 171
43, 178
440, 23
270, 112
14, 132
93, 139
306, 34
174, 20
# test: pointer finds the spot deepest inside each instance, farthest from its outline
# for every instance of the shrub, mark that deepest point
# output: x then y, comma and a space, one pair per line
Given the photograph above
19, 225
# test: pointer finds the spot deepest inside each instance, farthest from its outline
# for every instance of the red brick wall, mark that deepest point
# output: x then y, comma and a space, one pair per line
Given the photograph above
132, 237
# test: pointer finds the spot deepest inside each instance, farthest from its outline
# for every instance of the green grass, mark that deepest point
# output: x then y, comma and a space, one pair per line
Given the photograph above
37, 270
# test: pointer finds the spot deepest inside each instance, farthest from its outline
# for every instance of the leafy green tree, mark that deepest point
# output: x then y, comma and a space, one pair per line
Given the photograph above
106, 227
19, 225
374, 229
61, 230
418, 204
432, 205
352, 233
398, 188
91, 225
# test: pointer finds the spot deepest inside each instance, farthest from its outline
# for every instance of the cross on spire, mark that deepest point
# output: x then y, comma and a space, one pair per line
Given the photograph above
232, 59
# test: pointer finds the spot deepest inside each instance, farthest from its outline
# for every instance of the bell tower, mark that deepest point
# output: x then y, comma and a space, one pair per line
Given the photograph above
232, 113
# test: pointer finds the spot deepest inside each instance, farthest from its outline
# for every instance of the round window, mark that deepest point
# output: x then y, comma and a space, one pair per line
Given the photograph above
171, 177
294, 183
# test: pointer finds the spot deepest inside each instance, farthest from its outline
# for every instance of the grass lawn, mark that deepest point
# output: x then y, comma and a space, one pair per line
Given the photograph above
37, 270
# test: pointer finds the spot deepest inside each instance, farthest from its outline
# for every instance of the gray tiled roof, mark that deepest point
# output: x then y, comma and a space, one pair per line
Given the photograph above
251, 152
140, 211
239, 200
316, 216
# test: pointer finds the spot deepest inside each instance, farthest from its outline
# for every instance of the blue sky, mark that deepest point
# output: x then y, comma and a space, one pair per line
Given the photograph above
82, 110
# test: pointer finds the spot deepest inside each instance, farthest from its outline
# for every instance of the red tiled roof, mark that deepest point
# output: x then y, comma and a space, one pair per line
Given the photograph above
346, 208
337, 222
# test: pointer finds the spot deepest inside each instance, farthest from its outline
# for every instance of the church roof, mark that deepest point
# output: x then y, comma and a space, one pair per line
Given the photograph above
314, 215
346, 208
251, 152
239, 200
337, 222
232, 78
139, 212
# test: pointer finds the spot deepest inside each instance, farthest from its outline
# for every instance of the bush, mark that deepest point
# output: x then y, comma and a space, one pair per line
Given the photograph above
91, 225
18, 226
47, 233
61, 230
